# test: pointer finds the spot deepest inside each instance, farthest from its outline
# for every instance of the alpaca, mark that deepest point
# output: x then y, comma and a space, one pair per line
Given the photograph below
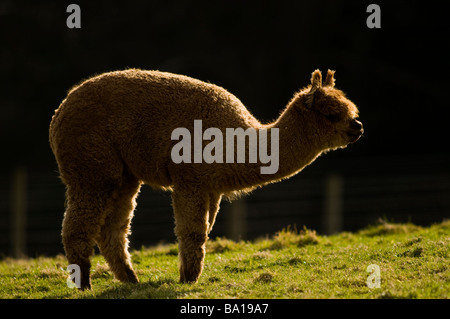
112, 133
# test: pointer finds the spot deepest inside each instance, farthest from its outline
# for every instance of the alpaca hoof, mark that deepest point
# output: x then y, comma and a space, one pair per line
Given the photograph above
85, 286
132, 277
189, 277
127, 275
187, 281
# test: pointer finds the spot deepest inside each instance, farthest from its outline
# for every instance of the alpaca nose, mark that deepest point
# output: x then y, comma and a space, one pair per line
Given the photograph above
356, 126
355, 130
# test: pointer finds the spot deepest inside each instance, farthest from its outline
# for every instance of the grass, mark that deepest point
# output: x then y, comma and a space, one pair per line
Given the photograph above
413, 262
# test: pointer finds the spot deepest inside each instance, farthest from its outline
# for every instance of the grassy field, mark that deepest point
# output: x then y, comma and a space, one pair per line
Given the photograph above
413, 263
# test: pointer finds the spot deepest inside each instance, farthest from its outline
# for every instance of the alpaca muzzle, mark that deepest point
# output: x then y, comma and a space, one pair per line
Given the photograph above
355, 131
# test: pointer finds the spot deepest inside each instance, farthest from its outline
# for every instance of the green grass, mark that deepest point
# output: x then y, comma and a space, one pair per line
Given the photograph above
414, 263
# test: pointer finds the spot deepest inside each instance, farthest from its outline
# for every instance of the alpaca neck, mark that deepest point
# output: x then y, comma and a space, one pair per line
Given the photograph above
298, 144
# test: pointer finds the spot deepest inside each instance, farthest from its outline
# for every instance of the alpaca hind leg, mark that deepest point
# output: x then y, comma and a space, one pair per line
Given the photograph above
81, 225
191, 227
112, 240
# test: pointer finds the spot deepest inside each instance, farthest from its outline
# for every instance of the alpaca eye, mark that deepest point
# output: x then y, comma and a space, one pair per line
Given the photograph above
332, 117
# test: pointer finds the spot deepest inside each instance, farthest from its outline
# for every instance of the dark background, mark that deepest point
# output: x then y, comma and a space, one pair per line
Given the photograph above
262, 52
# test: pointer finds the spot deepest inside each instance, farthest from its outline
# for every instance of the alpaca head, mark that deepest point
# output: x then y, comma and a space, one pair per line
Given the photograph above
333, 116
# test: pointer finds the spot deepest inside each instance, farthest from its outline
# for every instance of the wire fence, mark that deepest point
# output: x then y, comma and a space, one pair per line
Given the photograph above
332, 195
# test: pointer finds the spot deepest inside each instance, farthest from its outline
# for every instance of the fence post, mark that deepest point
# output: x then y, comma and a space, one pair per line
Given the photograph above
333, 203
237, 225
18, 212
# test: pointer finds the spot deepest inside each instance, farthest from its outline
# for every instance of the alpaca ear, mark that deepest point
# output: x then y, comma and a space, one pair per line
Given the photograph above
316, 83
316, 80
329, 81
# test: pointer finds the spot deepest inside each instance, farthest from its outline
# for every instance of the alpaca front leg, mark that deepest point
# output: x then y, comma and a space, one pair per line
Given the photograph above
214, 205
192, 256
191, 227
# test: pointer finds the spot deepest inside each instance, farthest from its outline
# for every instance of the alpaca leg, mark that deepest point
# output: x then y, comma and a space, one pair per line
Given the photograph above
191, 227
112, 241
214, 205
81, 225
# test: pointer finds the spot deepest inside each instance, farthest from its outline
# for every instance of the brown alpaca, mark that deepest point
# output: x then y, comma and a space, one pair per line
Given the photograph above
113, 132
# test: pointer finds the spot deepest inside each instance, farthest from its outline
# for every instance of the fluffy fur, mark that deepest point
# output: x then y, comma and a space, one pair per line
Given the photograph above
113, 132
